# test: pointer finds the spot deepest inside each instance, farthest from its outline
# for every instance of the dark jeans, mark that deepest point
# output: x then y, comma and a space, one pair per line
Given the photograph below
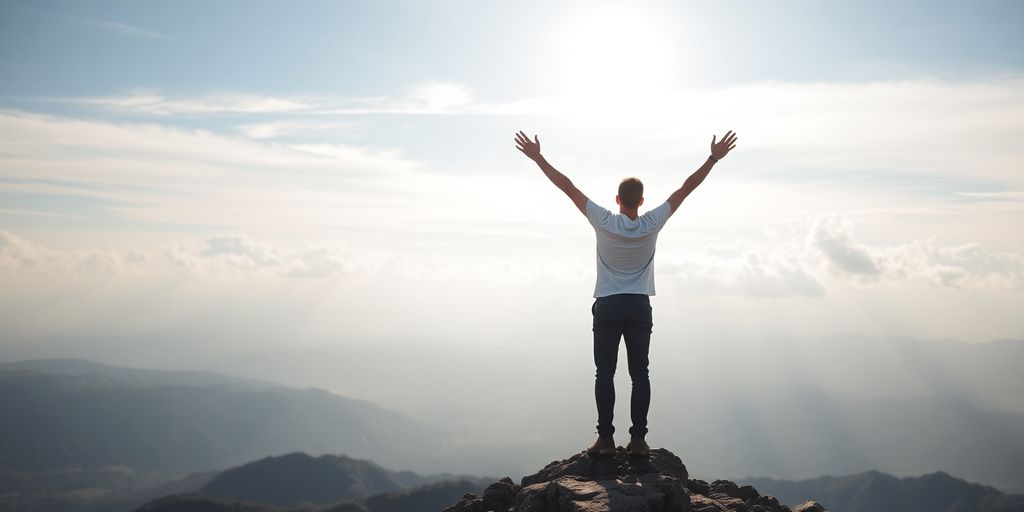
628, 316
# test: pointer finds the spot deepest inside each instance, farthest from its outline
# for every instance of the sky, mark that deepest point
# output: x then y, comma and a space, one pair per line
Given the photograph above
309, 172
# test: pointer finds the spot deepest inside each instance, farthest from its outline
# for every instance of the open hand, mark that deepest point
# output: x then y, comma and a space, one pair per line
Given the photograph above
528, 147
720, 149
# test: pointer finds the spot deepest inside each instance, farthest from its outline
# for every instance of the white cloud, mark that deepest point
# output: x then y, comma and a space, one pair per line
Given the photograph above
828, 258
440, 96
925, 128
157, 104
750, 270
18, 256
969, 129
36, 213
232, 256
967, 266
275, 129
426, 98
153, 174
831, 236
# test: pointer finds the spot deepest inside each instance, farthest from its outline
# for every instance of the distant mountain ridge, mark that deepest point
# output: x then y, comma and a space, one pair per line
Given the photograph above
75, 433
133, 376
584, 482
182, 422
846, 404
297, 478
873, 491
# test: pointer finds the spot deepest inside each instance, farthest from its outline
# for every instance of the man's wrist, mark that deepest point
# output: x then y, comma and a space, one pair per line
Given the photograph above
713, 159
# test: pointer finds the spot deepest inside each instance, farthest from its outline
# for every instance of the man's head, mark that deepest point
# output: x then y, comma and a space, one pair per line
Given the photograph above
631, 193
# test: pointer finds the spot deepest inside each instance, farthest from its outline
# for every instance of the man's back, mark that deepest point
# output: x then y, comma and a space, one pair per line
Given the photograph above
625, 281
625, 249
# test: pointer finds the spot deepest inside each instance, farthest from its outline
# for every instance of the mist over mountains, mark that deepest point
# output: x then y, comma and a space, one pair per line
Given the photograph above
873, 491
735, 406
183, 422
781, 408
84, 436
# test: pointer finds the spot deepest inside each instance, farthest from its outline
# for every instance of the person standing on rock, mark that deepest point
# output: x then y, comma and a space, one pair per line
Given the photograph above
625, 282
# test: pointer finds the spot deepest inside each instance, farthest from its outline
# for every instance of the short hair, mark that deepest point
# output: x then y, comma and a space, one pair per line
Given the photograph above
631, 191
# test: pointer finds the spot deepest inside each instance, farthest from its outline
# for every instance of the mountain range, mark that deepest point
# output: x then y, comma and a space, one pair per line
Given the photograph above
78, 435
63, 414
787, 408
784, 408
335, 481
873, 491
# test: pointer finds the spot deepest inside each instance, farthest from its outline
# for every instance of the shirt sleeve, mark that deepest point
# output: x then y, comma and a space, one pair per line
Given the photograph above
596, 214
659, 215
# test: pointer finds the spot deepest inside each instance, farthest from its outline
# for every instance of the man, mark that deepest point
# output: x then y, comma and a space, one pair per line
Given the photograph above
625, 282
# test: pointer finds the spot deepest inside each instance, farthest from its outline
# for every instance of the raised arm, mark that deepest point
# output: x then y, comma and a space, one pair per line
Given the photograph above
718, 151
532, 150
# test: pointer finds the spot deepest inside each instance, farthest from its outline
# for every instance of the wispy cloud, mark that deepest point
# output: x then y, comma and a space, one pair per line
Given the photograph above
424, 98
159, 176
275, 129
157, 104
908, 127
121, 29
37, 213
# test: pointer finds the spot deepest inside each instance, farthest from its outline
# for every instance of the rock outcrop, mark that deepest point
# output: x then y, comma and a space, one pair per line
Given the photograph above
620, 483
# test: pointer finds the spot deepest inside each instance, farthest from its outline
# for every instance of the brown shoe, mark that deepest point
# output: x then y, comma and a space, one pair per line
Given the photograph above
605, 445
637, 446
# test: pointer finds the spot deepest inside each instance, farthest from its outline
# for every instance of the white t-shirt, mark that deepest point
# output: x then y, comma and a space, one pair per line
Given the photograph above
625, 249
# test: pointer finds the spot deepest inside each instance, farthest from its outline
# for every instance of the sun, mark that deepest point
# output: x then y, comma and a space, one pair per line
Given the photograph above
614, 54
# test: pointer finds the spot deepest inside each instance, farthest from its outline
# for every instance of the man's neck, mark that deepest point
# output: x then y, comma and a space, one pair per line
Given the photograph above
629, 212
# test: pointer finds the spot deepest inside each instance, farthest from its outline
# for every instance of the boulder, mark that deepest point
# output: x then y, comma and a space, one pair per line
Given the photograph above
619, 483
810, 506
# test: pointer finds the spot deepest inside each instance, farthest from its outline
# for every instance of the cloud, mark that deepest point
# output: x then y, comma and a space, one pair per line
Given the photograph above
966, 128
818, 132
761, 271
18, 256
427, 98
440, 96
230, 256
237, 254
37, 213
831, 236
122, 29
966, 266
157, 104
436, 97
828, 257
152, 174
276, 129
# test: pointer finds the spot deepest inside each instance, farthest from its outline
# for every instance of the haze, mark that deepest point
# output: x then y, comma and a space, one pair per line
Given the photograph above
276, 190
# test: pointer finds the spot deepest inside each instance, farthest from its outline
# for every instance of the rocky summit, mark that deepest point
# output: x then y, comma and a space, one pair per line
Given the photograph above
620, 483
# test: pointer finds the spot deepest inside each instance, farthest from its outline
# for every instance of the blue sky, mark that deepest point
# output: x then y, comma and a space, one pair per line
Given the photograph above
368, 48
335, 149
